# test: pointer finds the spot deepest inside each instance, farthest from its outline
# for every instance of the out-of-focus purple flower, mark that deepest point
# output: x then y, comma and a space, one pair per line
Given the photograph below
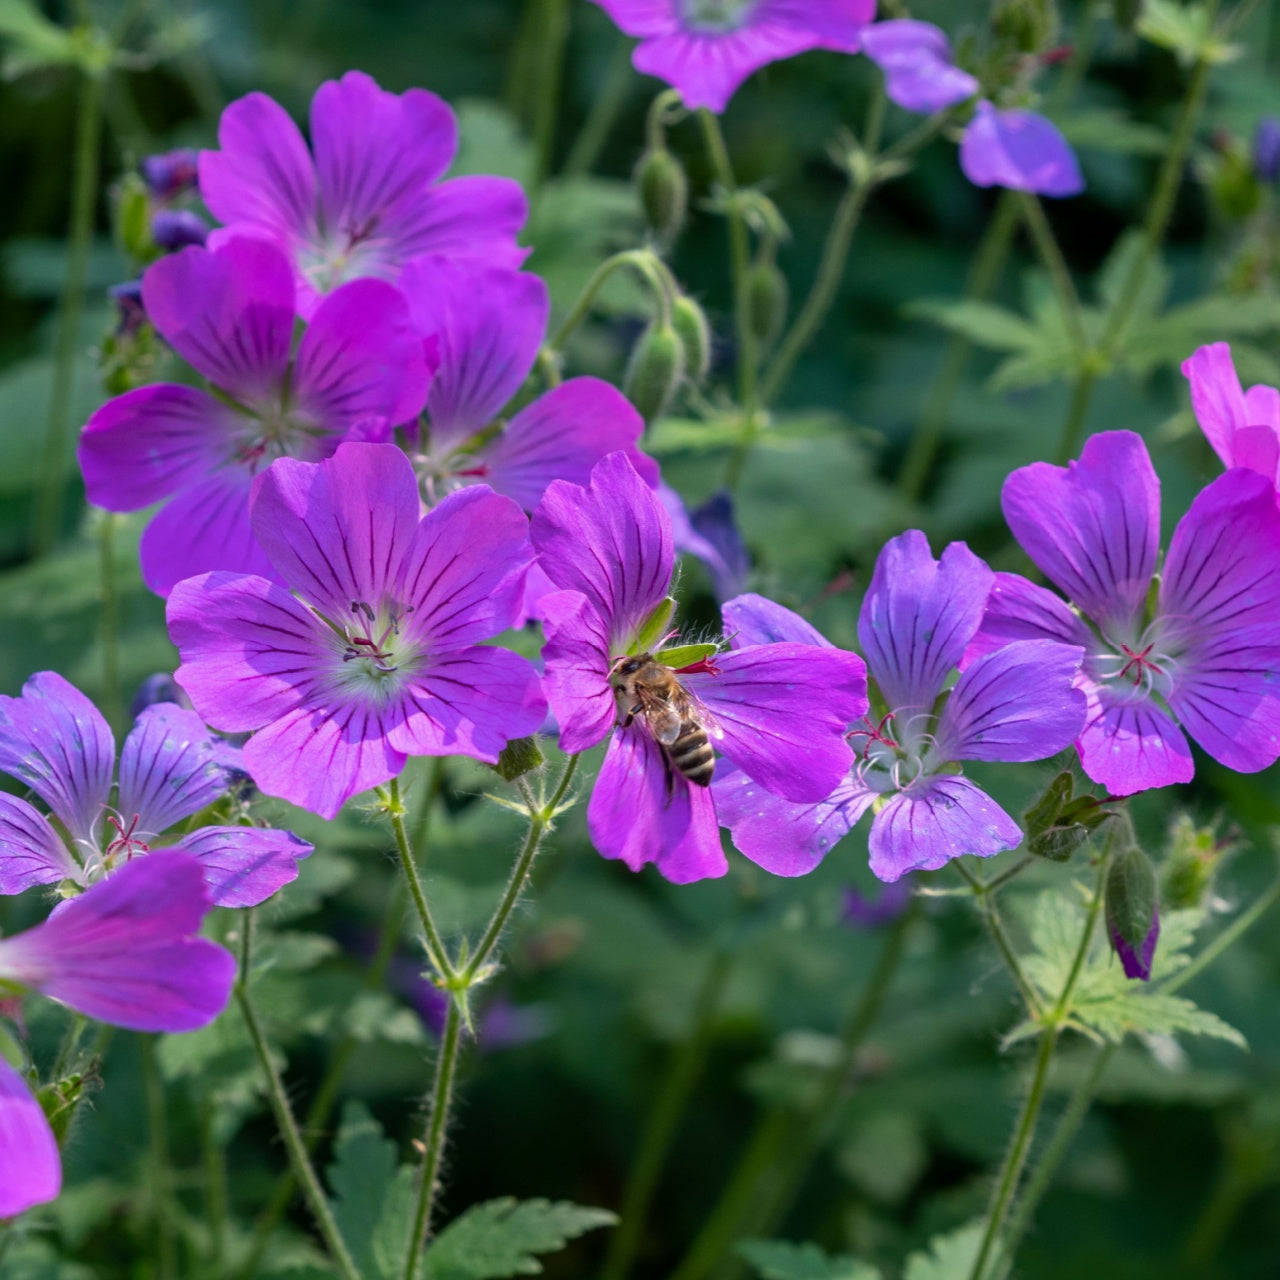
916, 60
1266, 149
359, 369
378, 654
871, 913
1019, 150
488, 324
131, 315
707, 48
56, 741
160, 687
1203, 655
170, 173
126, 951
174, 229
777, 711
367, 198
30, 1167
918, 616
1242, 426
714, 539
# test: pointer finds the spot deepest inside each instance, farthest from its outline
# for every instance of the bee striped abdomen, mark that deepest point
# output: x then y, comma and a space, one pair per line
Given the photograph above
691, 754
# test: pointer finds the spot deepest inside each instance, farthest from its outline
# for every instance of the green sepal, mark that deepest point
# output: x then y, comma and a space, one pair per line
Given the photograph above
518, 757
655, 626
1058, 823
1131, 897
58, 1100
10, 1050
685, 655
133, 219
1195, 854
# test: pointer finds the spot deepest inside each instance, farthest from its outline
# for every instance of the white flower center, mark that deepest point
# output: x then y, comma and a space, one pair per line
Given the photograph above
893, 752
717, 15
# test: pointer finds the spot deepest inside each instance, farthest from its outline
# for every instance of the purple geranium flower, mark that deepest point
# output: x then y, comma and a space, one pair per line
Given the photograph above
1019, 150
916, 60
1017, 704
124, 952
1266, 149
489, 324
1242, 426
707, 48
358, 370
370, 198
777, 711
377, 656
169, 174
1203, 653
56, 741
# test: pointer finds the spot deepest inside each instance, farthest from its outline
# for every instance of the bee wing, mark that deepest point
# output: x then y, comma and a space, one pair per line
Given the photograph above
693, 707
663, 718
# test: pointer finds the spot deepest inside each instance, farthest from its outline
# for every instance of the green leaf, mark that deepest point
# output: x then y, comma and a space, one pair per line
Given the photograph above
1187, 30
983, 323
782, 1260
500, 1237
950, 1257
1106, 129
885, 1154
363, 1168
31, 41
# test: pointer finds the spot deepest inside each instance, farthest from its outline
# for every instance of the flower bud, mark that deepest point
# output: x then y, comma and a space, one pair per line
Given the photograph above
1059, 822
1030, 26
690, 322
655, 371
518, 757
1266, 149
664, 192
1195, 854
170, 173
130, 313
1132, 910
173, 229
767, 297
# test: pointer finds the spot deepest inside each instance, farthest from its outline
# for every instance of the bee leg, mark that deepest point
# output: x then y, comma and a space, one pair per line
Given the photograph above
632, 712
671, 778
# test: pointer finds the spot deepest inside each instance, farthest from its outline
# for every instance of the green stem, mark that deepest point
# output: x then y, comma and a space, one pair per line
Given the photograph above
1077, 415
285, 1122
215, 1188
988, 264
740, 264
553, 30
660, 1128
1051, 255
539, 824
436, 952
1047, 1165
994, 924
605, 107
784, 1142
84, 196
437, 1125
1016, 1156
161, 1174
643, 260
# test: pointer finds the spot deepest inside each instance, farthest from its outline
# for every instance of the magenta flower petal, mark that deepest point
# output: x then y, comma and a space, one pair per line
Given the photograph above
472, 702
244, 866
1020, 610
1017, 703
250, 651
170, 768
203, 527
489, 324
347, 554
783, 837
30, 1167
577, 657
240, 334
780, 713
919, 615
1243, 428
1018, 150
1129, 745
148, 443
935, 820
1093, 526
56, 741
916, 60
752, 619
263, 175
463, 571
631, 817
375, 152
30, 851
359, 359
561, 436
123, 952
611, 541
477, 217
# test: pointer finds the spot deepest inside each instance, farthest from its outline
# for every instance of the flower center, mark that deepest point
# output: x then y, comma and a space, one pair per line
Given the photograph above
350, 252
274, 431
893, 751
1137, 669
374, 657
716, 15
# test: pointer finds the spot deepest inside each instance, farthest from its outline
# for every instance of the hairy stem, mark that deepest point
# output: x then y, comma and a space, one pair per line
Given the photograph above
434, 943
994, 924
161, 1174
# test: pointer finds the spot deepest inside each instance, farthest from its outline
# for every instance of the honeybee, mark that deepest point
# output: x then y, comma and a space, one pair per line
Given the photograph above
644, 687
